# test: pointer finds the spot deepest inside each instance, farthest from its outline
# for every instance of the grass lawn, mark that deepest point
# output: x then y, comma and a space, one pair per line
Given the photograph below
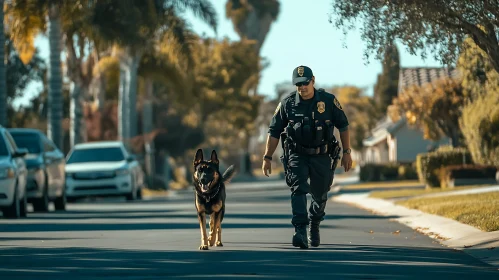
384, 184
478, 210
414, 192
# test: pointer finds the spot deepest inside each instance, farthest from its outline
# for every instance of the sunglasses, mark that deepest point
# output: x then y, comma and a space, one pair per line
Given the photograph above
303, 83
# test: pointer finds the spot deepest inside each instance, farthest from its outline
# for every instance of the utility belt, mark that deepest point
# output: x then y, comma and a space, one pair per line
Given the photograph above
300, 149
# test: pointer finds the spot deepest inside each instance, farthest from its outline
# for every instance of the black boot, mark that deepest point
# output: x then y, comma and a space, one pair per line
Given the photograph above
300, 237
315, 237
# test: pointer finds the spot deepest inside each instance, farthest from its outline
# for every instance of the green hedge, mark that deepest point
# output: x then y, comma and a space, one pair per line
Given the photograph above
429, 164
468, 171
371, 172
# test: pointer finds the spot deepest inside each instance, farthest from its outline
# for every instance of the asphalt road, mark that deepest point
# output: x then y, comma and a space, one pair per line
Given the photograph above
159, 239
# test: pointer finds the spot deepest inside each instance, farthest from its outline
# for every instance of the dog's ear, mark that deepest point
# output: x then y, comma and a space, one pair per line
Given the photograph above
199, 157
214, 157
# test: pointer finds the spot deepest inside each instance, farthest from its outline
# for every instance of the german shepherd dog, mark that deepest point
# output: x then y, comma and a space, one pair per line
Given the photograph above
209, 185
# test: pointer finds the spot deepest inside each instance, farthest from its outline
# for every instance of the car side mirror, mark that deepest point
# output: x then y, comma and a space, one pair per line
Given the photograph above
21, 152
130, 158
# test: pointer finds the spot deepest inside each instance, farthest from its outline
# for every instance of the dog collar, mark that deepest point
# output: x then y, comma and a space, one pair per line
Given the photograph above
208, 197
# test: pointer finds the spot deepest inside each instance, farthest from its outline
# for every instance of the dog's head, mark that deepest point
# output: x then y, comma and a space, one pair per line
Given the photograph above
206, 172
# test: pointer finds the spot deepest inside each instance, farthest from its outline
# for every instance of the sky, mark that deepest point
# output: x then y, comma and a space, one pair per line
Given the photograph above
302, 35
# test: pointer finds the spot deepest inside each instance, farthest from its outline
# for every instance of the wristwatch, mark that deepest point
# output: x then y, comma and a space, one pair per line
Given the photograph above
347, 151
267, 157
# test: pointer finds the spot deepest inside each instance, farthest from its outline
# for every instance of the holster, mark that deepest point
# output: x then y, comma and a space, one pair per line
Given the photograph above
285, 153
334, 153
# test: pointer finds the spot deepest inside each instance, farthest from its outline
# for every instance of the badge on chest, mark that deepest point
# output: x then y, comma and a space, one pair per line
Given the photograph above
321, 107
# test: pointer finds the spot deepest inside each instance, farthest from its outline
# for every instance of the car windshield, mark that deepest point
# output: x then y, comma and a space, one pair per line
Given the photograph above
96, 155
3, 147
30, 141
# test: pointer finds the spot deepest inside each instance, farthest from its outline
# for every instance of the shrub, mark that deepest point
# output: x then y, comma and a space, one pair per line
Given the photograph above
480, 126
468, 171
429, 164
407, 172
386, 172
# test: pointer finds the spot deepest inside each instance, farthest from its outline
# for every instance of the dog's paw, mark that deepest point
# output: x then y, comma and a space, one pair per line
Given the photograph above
203, 247
211, 241
219, 244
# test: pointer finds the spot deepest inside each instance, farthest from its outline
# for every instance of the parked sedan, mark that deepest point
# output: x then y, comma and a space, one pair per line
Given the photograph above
45, 163
13, 173
103, 168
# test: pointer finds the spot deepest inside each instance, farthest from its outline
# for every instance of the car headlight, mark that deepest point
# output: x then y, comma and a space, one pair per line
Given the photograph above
122, 172
7, 173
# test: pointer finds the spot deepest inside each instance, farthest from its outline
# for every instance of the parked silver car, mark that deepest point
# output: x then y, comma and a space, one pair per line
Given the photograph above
13, 173
46, 169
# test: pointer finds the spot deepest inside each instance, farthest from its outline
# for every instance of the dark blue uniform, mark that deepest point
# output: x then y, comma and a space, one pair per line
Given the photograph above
307, 124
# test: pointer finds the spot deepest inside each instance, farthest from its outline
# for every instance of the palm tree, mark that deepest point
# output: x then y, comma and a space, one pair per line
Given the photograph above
252, 20
27, 19
134, 25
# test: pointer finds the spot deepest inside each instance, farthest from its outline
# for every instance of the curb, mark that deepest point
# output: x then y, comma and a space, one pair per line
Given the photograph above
453, 234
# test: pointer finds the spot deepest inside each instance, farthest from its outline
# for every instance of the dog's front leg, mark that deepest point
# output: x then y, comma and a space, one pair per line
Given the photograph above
218, 228
202, 226
213, 230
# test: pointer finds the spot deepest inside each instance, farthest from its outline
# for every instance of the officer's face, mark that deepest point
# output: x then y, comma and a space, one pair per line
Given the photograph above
306, 90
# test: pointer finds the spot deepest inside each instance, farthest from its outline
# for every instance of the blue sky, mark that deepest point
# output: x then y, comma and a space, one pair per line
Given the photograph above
302, 34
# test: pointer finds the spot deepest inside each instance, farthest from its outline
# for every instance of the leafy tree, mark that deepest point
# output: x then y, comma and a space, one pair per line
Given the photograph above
479, 121
439, 26
361, 112
433, 107
386, 87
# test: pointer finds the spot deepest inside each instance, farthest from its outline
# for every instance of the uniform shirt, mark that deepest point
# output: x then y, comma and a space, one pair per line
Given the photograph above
323, 106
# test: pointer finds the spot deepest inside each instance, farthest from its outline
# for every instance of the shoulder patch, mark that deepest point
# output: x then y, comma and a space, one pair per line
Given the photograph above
277, 109
337, 104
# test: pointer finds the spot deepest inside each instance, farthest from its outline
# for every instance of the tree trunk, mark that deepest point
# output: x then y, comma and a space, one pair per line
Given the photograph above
3, 78
76, 114
132, 94
123, 102
54, 126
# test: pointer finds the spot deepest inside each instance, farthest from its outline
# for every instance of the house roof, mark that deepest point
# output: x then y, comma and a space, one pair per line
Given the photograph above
409, 76
384, 127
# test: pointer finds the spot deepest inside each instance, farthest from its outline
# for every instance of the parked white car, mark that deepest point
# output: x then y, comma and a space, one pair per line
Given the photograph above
103, 168
13, 177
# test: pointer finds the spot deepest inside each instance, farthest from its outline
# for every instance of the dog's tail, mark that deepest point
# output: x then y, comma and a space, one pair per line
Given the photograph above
228, 174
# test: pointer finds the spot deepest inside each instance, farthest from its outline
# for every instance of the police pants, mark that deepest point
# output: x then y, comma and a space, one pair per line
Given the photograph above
300, 169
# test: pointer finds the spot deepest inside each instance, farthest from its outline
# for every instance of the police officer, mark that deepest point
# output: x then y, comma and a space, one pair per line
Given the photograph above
306, 120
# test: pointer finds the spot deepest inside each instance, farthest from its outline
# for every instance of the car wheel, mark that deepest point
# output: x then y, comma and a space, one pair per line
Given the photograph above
42, 204
14, 210
24, 205
60, 202
139, 193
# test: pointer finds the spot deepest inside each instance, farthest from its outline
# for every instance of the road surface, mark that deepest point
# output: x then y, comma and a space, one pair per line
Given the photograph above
159, 239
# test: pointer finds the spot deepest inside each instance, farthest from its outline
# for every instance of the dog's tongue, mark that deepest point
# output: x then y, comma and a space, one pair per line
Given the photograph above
205, 187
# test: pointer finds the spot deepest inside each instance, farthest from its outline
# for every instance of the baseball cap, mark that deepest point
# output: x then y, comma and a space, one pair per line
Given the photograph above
302, 74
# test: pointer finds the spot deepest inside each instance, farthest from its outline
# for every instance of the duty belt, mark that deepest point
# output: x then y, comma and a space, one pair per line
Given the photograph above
323, 149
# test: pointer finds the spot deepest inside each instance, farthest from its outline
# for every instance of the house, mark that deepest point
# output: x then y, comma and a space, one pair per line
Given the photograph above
392, 141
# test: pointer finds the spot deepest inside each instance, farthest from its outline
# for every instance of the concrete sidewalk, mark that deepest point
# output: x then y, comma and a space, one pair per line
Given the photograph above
481, 245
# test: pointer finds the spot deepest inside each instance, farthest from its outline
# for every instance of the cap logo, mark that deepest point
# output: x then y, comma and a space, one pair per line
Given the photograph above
301, 70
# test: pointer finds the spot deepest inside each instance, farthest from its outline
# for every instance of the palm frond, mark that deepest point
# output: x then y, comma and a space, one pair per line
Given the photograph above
203, 9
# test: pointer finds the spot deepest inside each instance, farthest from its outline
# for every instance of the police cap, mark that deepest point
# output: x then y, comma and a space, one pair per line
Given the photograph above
302, 74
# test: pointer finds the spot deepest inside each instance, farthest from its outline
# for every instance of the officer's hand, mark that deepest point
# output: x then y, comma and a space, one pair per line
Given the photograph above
346, 162
266, 167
